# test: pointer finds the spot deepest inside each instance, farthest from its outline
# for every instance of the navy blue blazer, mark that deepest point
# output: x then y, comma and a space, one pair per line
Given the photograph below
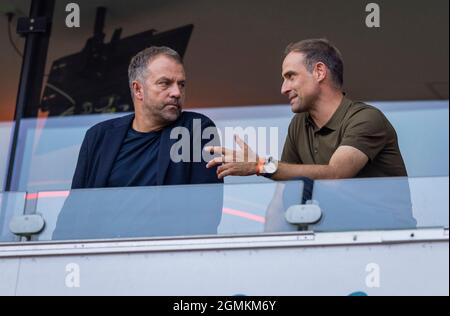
102, 144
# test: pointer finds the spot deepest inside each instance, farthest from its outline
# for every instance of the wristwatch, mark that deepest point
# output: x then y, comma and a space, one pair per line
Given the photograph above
267, 167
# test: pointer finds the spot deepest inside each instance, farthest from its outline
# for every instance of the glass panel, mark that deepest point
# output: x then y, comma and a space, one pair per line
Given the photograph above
6, 130
50, 148
48, 151
165, 211
422, 129
251, 208
12, 48
11, 204
430, 200
378, 204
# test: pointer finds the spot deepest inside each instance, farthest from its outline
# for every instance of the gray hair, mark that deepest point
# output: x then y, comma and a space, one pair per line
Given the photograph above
320, 50
137, 70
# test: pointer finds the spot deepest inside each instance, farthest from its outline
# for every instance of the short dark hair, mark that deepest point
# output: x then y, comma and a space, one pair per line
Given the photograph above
138, 65
320, 50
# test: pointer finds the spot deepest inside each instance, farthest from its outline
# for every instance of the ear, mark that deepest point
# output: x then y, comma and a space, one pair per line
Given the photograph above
320, 72
138, 91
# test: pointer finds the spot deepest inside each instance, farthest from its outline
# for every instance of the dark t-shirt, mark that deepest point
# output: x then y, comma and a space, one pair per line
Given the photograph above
354, 124
136, 164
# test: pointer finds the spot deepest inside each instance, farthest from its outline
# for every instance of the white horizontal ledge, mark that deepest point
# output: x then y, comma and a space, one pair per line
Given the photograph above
297, 239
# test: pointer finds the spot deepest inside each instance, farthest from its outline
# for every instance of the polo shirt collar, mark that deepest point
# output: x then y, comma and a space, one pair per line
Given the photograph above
336, 120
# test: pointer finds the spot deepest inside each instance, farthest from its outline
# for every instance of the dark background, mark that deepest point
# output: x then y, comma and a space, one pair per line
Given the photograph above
234, 57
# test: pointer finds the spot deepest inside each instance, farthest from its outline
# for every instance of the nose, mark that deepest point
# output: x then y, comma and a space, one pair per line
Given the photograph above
175, 91
285, 88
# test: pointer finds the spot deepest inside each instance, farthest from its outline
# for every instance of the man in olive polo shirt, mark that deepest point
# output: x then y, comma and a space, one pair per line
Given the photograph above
355, 129
331, 137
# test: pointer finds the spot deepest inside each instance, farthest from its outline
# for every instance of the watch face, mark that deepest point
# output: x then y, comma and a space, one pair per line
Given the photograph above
270, 168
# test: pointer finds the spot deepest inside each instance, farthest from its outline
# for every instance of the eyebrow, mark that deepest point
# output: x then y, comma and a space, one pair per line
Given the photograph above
163, 79
170, 80
289, 73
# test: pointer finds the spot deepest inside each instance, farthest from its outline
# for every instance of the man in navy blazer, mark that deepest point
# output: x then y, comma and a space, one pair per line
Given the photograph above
158, 145
103, 142
113, 152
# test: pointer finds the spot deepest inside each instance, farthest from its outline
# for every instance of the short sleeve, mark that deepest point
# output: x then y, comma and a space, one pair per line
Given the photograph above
367, 131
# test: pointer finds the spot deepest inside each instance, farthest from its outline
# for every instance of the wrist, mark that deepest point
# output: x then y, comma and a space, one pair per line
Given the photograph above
260, 162
267, 167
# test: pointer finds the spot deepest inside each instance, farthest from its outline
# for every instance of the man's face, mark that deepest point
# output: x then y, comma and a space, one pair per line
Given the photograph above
299, 84
164, 89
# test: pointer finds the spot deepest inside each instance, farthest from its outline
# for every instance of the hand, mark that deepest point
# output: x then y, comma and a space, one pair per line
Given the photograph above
234, 163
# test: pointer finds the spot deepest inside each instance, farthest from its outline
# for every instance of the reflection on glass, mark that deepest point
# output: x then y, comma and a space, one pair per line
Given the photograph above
161, 211
11, 204
6, 129
47, 157
140, 212
430, 201
246, 208
364, 204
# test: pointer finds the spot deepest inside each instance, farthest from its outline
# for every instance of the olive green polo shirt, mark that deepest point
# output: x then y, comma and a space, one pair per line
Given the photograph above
354, 124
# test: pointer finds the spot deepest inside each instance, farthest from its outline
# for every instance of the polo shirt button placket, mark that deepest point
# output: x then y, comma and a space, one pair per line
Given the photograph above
316, 148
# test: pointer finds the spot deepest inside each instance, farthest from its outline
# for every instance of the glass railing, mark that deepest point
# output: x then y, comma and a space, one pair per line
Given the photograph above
48, 148
194, 210
382, 204
6, 130
11, 205
234, 209
248, 208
